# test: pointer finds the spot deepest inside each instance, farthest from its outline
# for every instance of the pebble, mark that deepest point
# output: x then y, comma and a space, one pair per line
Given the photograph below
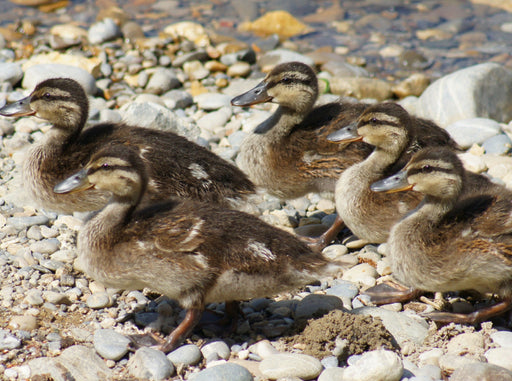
21, 223
98, 300
316, 304
223, 372
188, 354
467, 132
148, 363
403, 327
24, 323
500, 357
162, 80
219, 348
102, 31
342, 288
465, 343
448, 363
8, 341
498, 144
38, 73
10, 72
290, 365
263, 349
212, 101
46, 246
332, 374
481, 371
335, 252
502, 338
110, 345
378, 365
363, 273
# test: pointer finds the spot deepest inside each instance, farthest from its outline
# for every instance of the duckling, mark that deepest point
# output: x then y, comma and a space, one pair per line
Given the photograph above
190, 251
456, 238
176, 166
396, 135
288, 154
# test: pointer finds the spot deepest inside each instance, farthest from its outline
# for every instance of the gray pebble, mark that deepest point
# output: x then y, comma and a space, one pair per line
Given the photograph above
218, 347
34, 297
188, 354
330, 362
467, 132
498, 144
332, 374
481, 371
177, 99
375, 365
104, 30
290, 364
40, 72
502, 338
162, 80
34, 232
55, 297
223, 372
21, 223
10, 72
110, 344
500, 356
46, 246
212, 101
315, 304
150, 364
341, 288
8, 341
98, 300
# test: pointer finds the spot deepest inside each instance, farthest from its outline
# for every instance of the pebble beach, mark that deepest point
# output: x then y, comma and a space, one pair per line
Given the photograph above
176, 65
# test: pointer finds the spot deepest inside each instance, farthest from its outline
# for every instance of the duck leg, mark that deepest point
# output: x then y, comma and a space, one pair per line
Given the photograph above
391, 292
182, 331
319, 243
473, 318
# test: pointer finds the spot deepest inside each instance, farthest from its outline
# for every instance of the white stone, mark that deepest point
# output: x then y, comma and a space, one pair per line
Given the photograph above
502, 338
500, 356
38, 73
467, 132
482, 90
378, 365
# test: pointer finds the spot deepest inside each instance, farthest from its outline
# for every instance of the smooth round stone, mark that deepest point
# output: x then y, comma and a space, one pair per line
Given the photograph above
239, 69
332, 374
21, 223
65, 256
218, 347
448, 363
335, 252
24, 323
212, 101
188, 354
104, 30
341, 69
498, 144
34, 232
98, 300
148, 363
278, 56
316, 304
342, 288
177, 99
263, 349
467, 132
481, 371
34, 297
291, 365
464, 343
223, 372
403, 327
472, 162
46, 246
55, 297
10, 72
362, 273
214, 119
431, 357
40, 72
500, 356
502, 338
429, 372
8, 341
236, 138
162, 80
110, 344
378, 365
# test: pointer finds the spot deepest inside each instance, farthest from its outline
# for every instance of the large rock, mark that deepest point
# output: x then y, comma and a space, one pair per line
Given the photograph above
38, 73
483, 90
152, 115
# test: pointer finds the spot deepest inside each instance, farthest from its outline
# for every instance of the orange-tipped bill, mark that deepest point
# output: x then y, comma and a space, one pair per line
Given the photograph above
347, 134
74, 183
18, 108
254, 96
395, 183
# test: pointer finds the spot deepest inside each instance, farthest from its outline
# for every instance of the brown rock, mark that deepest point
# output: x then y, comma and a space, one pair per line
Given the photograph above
413, 85
277, 22
361, 88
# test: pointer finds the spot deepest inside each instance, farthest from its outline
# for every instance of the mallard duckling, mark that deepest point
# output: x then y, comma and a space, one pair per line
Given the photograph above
396, 135
288, 154
176, 166
190, 251
455, 239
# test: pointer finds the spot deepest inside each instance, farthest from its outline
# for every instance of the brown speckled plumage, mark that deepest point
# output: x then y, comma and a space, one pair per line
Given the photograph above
288, 154
457, 238
176, 166
191, 251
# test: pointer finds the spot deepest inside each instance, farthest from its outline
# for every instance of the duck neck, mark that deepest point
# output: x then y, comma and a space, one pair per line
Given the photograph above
378, 161
432, 209
70, 124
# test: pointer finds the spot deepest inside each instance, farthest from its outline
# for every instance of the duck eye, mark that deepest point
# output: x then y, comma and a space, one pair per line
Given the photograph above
47, 95
373, 120
286, 80
427, 169
105, 165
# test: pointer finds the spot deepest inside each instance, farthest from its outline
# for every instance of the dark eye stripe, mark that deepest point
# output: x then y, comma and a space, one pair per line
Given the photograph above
413, 171
53, 97
379, 122
109, 168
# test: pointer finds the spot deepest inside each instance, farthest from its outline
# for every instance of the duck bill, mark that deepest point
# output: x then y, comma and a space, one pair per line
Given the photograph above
254, 96
75, 183
18, 108
396, 183
347, 134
